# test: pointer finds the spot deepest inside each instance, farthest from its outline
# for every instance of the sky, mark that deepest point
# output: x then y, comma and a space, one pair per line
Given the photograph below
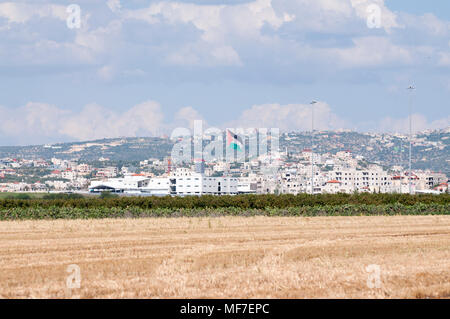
142, 67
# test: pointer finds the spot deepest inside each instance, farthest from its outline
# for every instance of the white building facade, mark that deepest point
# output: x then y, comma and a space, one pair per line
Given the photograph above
184, 182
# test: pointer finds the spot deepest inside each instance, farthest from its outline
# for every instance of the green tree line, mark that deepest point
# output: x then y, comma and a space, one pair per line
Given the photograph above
214, 202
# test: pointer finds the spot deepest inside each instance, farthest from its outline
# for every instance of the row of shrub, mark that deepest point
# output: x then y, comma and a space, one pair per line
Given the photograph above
58, 212
240, 201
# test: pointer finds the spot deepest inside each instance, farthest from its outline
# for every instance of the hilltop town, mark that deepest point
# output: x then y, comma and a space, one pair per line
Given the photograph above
343, 162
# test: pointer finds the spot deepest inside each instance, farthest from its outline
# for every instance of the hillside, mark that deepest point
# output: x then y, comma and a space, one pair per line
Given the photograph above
431, 150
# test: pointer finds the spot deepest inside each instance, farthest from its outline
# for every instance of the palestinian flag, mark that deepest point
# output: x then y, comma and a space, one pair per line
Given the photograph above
234, 141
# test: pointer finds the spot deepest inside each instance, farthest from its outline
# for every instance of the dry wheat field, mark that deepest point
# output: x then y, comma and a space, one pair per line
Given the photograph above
228, 257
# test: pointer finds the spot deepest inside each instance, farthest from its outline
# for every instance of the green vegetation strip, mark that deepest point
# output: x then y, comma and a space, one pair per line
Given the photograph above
240, 201
54, 212
60, 206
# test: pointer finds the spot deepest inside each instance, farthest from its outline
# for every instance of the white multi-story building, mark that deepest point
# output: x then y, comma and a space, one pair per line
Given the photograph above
291, 183
182, 182
132, 184
185, 182
69, 174
400, 183
107, 172
84, 169
351, 180
158, 186
333, 187
221, 166
248, 185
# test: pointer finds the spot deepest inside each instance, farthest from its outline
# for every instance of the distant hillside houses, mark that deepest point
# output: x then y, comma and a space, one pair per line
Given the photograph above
289, 172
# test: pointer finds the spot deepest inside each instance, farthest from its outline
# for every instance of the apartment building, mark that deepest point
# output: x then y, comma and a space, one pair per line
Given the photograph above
292, 183
83, 169
185, 182
68, 174
351, 180
107, 172
248, 184
401, 183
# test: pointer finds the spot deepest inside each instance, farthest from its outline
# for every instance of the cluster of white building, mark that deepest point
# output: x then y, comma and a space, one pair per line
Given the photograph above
333, 173
182, 182
185, 182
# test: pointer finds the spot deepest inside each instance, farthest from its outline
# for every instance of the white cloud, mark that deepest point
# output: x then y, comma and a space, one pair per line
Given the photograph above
22, 12
214, 20
28, 42
220, 25
228, 34
106, 73
289, 117
335, 16
101, 39
316, 16
419, 123
39, 121
204, 54
114, 5
434, 25
427, 24
388, 18
226, 55
444, 58
372, 51
95, 121
186, 116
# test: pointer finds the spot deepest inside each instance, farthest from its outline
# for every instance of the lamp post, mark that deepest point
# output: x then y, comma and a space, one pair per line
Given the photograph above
312, 146
411, 90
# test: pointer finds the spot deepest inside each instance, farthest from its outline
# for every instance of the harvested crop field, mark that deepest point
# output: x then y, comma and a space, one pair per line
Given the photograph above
228, 257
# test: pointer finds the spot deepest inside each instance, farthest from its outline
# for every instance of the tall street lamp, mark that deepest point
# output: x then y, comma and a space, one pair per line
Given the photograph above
411, 91
312, 146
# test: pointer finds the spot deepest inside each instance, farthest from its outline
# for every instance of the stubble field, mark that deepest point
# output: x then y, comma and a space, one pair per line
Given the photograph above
228, 257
